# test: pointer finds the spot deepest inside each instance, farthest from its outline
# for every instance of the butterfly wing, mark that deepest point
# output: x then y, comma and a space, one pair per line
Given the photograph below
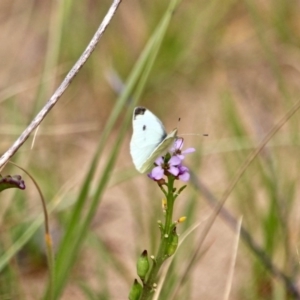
160, 150
149, 139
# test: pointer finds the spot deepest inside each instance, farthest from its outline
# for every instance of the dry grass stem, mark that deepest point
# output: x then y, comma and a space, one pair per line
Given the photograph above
63, 86
233, 260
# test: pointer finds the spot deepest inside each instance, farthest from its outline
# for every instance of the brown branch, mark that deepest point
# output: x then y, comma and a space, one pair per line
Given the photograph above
63, 86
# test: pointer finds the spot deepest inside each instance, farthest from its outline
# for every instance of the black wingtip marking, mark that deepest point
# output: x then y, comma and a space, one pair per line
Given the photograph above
144, 127
139, 110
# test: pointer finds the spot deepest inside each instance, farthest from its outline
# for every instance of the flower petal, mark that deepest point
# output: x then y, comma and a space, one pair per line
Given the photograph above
157, 173
159, 161
150, 175
173, 170
188, 150
174, 161
177, 145
180, 156
184, 177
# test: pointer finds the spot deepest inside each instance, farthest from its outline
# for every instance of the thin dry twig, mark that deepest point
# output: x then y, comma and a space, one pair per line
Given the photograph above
63, 86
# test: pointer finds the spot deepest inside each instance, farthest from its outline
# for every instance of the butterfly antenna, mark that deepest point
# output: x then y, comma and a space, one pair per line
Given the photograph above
178, 121
203, 134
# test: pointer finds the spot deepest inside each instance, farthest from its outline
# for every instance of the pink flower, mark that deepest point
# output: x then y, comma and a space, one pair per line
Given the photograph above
176, 149
184, 174
172, 164
171, 167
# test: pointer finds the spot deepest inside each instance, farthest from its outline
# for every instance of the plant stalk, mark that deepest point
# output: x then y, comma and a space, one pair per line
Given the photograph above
150, 283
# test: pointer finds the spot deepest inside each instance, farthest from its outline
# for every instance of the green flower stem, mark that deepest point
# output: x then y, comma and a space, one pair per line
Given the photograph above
149, 284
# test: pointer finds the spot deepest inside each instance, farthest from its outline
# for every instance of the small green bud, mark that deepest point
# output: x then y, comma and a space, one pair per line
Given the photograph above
143, 265
167, 157
135, 291
172, 243
180, 190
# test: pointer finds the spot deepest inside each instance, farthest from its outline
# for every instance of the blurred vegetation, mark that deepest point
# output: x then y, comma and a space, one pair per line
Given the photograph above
227, 68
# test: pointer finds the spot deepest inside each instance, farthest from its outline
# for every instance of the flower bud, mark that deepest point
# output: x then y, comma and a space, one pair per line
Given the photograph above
181, 219
172, 243
143, 265
135, 291
161, 181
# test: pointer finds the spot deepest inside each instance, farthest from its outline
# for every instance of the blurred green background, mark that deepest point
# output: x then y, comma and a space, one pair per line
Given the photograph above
227, 68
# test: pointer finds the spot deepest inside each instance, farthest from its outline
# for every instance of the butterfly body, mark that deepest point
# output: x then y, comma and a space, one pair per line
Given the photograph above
149, 139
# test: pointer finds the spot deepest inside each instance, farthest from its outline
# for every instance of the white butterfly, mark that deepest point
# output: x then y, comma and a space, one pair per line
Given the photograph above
149, 139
